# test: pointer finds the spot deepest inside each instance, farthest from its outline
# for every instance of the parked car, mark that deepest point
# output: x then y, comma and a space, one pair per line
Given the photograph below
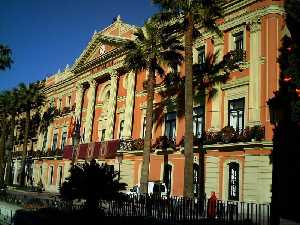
154, 188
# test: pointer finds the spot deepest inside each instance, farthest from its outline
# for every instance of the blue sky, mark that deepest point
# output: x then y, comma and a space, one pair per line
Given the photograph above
46, 35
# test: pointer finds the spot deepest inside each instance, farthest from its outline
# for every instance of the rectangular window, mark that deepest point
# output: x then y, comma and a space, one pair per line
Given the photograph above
233, 189
63, 140
54, 142
144, 127
59, 104
102, 135
198, 121
51, 170
236, 112
201, 55
45, 141
60, 175
69, 101
170, 125
239, 41
121, 129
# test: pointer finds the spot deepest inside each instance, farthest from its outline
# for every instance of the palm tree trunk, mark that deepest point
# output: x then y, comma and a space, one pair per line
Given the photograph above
2, 152
188, 140
148, 133
8, 174
24, 153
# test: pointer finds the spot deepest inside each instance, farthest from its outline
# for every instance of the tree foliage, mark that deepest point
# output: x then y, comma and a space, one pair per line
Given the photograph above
188, 18
92, 182
5, 57
152, 50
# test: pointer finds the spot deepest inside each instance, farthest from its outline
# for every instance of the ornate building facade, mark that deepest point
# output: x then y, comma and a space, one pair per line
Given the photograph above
111, 105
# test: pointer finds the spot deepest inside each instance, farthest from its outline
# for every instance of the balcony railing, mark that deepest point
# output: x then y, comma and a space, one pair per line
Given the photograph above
39, 154
229, 135
108, 149
235, 58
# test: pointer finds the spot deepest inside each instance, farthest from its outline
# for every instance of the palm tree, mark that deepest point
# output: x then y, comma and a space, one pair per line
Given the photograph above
151, 50
13, 110
184, 16
32, 99
5, 57
205, 76
4, 101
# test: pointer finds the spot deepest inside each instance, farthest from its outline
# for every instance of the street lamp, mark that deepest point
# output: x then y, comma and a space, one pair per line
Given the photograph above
119, 160
75, 142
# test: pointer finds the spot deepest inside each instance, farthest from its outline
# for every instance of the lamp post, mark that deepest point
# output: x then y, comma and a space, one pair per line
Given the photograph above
75, 142
119, 160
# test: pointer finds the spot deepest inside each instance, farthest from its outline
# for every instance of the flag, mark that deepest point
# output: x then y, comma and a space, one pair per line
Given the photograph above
71, 127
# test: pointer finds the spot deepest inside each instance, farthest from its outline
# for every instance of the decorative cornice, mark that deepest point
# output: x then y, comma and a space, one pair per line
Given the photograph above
235, 5
93, 83
236, 83
111, 55
238, 29
255, 25
250, 16
218, 40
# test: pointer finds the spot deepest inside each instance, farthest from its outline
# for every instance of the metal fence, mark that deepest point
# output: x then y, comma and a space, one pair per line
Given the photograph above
177, 209
171, 210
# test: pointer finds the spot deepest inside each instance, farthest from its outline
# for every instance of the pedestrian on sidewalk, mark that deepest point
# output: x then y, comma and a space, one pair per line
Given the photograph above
212, 206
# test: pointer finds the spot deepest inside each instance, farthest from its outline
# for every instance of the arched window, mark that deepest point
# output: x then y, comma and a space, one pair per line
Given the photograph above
196, 179
233, 182
168, 177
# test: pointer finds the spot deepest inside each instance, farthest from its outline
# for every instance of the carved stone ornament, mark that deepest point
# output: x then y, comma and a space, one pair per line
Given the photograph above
255, 25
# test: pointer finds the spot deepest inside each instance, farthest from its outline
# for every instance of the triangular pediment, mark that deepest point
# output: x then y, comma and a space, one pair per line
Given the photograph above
106, 42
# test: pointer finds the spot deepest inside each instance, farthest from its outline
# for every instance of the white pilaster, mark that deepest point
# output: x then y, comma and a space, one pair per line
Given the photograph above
255, 73
129, 105
112, 104
79, 95
90, 111
216, 101
212, 175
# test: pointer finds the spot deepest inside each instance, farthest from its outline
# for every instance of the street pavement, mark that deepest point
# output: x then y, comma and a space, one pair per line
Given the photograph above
42, 195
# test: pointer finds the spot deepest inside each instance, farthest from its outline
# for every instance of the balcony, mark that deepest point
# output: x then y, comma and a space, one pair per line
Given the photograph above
236, 58
65, 111
228, 135
108, 149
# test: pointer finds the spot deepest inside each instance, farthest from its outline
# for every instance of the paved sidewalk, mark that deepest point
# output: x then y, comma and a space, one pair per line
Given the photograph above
287, 222
42, 195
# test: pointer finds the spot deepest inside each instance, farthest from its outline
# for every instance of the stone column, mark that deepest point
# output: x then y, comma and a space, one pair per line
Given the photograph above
49, 137
129, 104
79, 95
90, 111
112, 105
216, 101
255, 73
